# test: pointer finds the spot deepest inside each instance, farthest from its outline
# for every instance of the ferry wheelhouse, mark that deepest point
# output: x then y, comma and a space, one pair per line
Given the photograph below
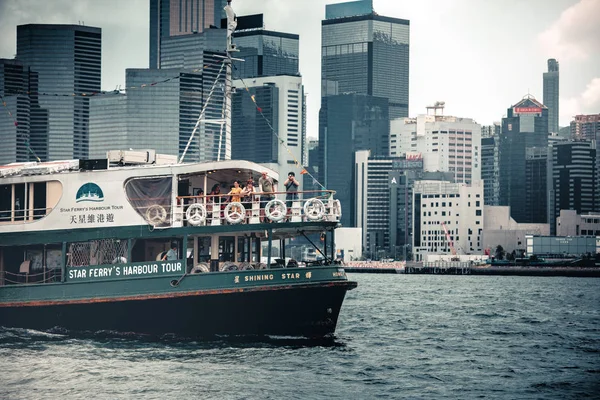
128, 246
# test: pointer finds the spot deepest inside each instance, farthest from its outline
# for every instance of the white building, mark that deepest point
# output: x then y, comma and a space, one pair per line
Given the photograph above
448, 144
500, 229
569, 223
447, 218
287, 94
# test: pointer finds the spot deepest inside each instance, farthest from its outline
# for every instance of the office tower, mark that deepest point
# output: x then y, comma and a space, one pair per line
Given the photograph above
384, 202
525, 126
349, 123
573, 179
586, 127
447, 143
551, 94
265, 52
366, 53
163, 116
536, 183
181, 17
187, 51
274, 135
490, 169
66, 59
447, 218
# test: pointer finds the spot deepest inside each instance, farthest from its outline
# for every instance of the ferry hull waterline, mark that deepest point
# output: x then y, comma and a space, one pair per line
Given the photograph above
306, 310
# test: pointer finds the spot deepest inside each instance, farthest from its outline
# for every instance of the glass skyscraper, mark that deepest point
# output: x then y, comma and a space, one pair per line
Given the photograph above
163, 116
171, 18
66, 61
551, 93
525, 127
265, 53
363, 52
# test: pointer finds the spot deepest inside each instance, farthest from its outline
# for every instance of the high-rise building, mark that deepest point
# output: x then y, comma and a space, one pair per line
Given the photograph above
349, 123
265, 52
573, 179
384, 201
490, 169
66, 59
171, 18
274, 134
586, 127
535, 198
448, 144
551, 94
366, 53
164, 116
525, 126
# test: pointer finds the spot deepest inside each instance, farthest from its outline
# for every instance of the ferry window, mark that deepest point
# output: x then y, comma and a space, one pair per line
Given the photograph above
226, 248
39, 199
151, 198
5, 202
19, 204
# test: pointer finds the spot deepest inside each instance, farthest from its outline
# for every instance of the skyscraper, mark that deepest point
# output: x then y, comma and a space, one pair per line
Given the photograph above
551, 93
169, 18
366, 53
349, 123
265, 52
67, 61
586, 127
525, 126
573, 179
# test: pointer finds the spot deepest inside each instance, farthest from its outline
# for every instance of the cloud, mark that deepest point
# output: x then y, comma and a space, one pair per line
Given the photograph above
576, 33
588, 102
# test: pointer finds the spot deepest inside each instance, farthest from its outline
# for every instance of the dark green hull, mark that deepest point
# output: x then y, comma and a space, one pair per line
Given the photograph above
289, 302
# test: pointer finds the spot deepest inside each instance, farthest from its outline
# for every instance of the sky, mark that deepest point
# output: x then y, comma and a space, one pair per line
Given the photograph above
480, 57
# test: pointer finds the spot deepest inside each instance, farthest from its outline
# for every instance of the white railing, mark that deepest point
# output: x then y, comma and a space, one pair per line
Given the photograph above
214, 210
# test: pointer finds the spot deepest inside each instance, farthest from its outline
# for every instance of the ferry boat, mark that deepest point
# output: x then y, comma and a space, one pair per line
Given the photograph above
122, 244
84, 246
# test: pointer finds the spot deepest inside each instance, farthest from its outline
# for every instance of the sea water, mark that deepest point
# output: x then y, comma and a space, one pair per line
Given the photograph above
398, 336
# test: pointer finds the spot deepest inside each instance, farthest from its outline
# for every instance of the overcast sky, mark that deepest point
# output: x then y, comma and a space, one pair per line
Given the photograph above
480, 57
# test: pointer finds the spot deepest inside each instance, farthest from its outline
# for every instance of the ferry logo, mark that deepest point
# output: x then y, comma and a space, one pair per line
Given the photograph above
89, 192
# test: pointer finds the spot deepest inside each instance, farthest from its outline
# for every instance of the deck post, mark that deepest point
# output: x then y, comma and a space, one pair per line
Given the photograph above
269, 246
282, 250
325, 245
129, 241
184, 251
63, 263
333, 245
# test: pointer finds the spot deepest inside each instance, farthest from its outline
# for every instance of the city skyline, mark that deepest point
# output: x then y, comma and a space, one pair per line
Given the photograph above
456, 55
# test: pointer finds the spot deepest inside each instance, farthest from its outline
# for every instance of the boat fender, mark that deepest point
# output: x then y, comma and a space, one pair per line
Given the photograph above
195, 214
229, 266
337, 208
199, 268
314, 209
275, 210
156, 214
235, 212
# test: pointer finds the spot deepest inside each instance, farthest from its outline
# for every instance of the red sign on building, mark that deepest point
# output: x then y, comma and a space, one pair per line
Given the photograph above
527, 110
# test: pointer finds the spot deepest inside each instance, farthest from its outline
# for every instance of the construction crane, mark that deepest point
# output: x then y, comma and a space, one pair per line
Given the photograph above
450, 243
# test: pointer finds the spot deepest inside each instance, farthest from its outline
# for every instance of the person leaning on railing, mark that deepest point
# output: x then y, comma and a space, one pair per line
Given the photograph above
267, 189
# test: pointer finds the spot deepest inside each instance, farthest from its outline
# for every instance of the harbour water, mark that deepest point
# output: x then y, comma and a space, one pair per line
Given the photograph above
399, 336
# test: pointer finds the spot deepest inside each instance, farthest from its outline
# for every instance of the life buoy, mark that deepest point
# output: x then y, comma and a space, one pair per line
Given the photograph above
156, 214
314, 209
229, 266
195, 214
275, 210
199, 268
235, 212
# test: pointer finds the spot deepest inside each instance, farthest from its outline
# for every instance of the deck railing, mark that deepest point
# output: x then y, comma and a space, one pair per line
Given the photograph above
212, 210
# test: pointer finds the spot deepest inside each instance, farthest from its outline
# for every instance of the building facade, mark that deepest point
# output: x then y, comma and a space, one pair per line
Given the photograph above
349, 123
67, 63
551, 94
171, 18
574, 179
586, 127
165, 117
366, 53
490, 169
447, 218
275, 134
448, 144
525, 127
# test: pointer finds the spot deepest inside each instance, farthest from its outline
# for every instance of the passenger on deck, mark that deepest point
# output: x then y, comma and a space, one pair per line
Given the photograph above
199, 196
267, 188
250, 196
172, 253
